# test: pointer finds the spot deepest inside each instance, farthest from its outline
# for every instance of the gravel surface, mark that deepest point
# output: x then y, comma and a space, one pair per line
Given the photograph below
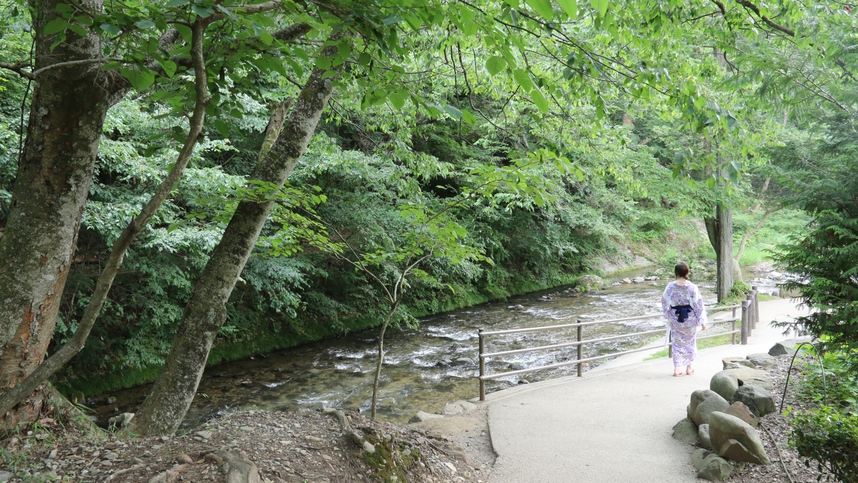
787, 465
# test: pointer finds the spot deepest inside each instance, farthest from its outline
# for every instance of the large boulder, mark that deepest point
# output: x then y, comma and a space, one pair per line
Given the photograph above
787, 347
710, 466
752, 377
759, 400
459, 408
703, 403
743, 412
725, 383
735, 439
763, 360
422, 416
703, 436
589, 283
736, 363
685, 431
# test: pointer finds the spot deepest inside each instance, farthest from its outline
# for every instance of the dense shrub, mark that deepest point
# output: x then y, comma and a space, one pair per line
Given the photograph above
830, 438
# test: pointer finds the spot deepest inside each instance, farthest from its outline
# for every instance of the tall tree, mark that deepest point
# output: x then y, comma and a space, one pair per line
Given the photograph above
70, 100
73, 91
164, 409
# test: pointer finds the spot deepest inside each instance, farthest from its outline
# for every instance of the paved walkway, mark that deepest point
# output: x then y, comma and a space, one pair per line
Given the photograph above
615, 423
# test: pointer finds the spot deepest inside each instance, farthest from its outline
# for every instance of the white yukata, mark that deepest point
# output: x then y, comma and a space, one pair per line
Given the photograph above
684, 333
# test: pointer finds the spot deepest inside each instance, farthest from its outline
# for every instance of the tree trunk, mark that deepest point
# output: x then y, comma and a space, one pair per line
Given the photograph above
720, 232
64, 354
67, 112
724, 252
166, 405
380, 363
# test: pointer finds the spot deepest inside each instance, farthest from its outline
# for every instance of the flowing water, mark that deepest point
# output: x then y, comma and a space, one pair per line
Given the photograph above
426, 367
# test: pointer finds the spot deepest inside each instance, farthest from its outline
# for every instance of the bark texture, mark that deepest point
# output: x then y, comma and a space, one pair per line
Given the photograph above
720, 232
164, 409
68, 108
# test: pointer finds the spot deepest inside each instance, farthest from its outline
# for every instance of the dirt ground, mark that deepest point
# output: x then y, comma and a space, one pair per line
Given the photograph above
295, 446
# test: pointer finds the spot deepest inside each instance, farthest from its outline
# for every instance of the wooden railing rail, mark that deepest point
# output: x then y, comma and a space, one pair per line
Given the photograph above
749, 315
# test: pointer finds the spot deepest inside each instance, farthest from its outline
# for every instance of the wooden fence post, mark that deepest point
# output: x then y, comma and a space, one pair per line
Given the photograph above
580, 349
482, 367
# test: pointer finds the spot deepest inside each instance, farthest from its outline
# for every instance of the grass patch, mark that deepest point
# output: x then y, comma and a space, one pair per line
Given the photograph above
701, 344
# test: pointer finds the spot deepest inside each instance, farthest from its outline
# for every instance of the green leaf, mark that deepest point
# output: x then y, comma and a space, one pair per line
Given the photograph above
203, 12
522, 77
78, 29
110, 28
398, 99
364, 59
145, 24
169, 67
222, 128
469, 117
539, 100
570, 7
468, 26
601, 6
495, 64
453, 111
176, 3
141, 80
185, 31
55, 26
542, 7
391, 20
344, 49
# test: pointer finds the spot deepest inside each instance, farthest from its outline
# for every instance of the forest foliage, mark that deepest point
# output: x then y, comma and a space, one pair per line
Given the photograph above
536, 165
508, 146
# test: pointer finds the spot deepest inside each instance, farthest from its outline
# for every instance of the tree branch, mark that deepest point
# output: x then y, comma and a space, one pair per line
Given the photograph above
750, 6
17, 68
721, 7
102, 60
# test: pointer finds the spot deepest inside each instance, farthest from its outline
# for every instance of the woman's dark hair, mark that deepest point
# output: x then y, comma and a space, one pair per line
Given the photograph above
681, 270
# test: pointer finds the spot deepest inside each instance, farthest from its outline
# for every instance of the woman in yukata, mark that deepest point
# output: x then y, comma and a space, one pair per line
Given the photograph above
683, 307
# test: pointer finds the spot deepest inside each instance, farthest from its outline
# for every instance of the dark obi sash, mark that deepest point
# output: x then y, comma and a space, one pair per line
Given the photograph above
682, 312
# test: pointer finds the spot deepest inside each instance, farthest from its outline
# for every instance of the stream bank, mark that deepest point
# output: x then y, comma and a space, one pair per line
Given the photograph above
424, 367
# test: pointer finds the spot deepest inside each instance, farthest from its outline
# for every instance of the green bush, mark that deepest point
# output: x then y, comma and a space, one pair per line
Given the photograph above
830, 438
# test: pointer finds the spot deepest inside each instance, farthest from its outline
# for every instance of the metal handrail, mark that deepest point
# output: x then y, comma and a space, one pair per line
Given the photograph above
749, 317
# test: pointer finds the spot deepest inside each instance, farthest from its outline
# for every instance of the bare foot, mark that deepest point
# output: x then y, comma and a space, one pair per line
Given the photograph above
689, 370
677, 374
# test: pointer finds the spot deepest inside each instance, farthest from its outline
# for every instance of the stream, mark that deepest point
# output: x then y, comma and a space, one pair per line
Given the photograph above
426, 367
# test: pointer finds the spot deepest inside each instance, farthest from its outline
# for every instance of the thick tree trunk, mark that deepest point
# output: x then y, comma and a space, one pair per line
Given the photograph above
69, 105
720, 232
164, 409
121, 245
